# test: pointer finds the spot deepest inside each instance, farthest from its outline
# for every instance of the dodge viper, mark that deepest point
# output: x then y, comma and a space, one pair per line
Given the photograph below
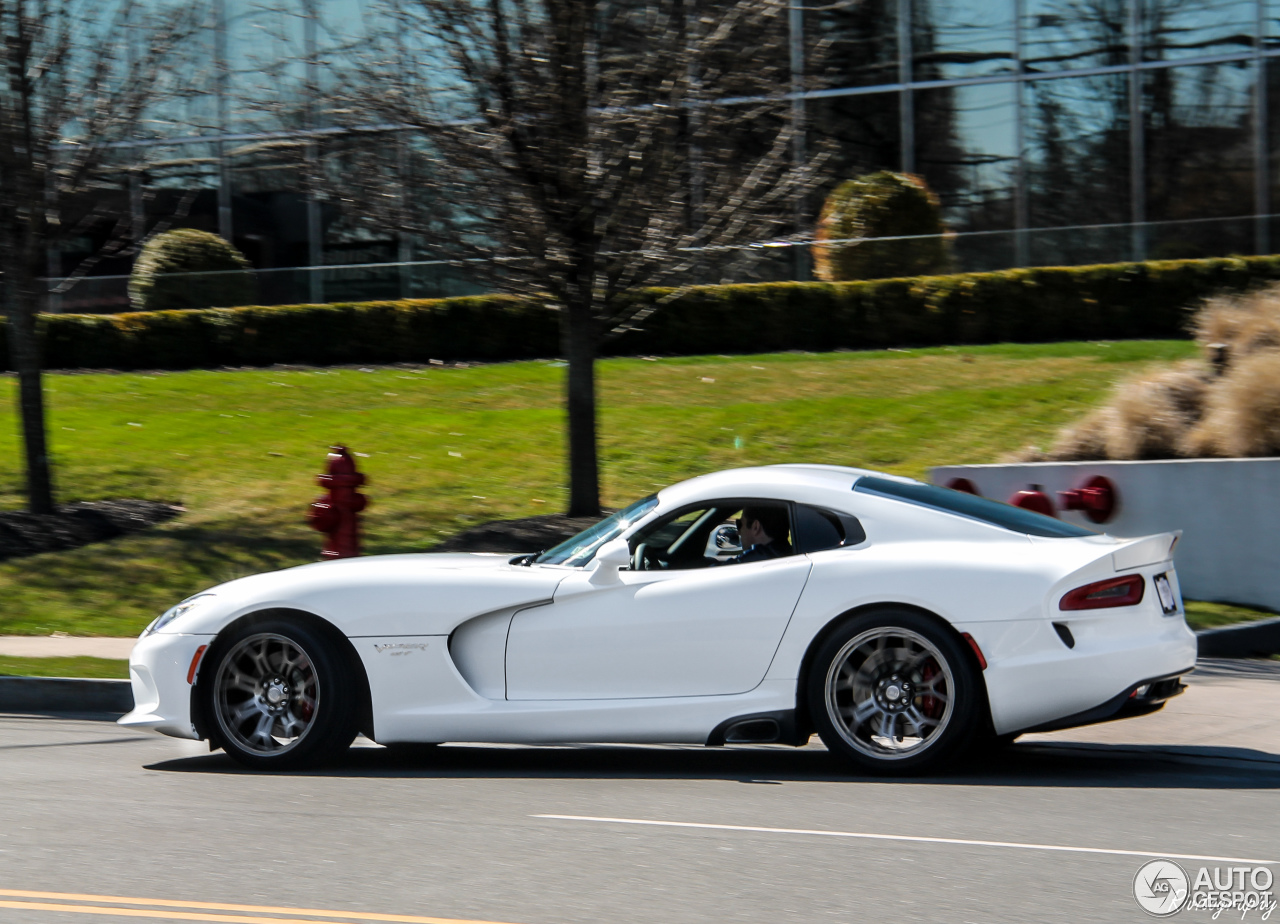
902, 622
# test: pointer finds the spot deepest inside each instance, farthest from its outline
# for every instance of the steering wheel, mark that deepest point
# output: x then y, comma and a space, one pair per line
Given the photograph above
646, 559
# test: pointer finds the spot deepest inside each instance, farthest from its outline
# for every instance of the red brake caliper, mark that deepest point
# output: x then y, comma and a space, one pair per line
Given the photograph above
930, 705
308, 707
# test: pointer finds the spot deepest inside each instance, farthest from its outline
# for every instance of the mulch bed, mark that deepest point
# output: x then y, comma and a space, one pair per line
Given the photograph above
78, 524
531, 534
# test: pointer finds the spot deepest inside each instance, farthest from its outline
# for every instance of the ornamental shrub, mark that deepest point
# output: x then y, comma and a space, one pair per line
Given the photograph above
1030, 305
881, 205
159, 281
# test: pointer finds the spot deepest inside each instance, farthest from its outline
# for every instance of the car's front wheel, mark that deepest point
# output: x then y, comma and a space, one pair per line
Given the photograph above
894, 692
279, 696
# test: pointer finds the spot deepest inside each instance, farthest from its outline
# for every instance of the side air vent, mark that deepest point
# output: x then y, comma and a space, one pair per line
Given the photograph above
754, 731
1065, 634
758, 728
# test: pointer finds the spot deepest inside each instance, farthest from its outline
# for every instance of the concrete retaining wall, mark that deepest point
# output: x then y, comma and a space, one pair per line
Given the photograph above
1228, 509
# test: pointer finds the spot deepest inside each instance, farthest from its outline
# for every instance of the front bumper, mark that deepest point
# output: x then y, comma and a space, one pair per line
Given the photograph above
158, 670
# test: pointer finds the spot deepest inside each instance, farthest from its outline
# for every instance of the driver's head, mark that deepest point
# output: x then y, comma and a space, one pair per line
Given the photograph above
772, 523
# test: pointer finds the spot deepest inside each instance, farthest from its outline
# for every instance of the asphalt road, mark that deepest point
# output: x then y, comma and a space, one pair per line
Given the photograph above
101, 824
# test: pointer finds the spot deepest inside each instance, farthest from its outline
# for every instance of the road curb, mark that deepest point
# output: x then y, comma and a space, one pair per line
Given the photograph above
68, 694
64, 694
1259, 639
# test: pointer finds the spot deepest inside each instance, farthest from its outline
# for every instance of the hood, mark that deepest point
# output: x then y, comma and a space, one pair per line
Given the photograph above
413, 594
418, 559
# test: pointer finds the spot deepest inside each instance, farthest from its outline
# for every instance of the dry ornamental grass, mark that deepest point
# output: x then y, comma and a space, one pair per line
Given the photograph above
1225, 405
1242, 413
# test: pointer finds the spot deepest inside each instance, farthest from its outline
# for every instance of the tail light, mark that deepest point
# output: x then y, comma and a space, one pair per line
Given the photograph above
982, 661
1122, 591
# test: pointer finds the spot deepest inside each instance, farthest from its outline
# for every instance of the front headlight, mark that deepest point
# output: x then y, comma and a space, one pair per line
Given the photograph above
173, 613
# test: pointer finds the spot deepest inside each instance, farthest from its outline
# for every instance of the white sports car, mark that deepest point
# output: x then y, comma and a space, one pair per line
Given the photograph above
901, 621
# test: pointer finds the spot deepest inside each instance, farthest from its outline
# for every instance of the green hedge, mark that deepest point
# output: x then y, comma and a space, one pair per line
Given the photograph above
1112, 302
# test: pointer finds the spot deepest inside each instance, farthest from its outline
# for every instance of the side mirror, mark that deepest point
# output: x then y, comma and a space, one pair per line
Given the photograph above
723, 543
610, 558
726, 539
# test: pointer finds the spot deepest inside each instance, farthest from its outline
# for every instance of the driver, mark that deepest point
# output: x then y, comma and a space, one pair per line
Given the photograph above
763, 534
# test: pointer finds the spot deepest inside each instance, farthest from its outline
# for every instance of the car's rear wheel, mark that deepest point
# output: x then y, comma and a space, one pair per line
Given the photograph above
894, 692
280, 697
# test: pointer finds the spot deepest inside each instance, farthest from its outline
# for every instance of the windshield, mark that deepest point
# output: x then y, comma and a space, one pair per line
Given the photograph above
579, 549
975, 508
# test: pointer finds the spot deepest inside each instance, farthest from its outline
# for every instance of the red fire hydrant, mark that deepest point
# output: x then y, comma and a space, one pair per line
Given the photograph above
337, 513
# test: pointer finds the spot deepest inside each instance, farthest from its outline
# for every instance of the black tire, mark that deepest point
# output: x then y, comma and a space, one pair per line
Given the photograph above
279, 695
895, 692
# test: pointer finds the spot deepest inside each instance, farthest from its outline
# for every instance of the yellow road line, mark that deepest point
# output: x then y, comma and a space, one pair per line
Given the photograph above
312, 913
146, 913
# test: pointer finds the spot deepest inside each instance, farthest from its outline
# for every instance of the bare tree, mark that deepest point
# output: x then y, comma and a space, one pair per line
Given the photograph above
576, 149
80, 75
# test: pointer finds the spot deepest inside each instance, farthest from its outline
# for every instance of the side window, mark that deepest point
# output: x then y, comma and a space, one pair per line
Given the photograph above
818, 529
673, 542
709, 535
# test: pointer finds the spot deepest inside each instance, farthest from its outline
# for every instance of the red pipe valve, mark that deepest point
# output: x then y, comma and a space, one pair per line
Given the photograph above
1033, 499
1097, 498
337, 512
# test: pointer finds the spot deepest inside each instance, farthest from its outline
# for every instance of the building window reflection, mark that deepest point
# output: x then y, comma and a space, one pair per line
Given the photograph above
1020, 114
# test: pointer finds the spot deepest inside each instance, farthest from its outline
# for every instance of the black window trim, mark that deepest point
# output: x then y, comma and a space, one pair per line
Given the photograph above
841, 515
914, 502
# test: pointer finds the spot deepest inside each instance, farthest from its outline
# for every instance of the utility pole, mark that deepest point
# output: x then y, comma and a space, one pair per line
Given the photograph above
1137, 139
906, 105
1261, 178
1021, 213
795, 20
222, 82
404, 252
315, 240
697, 174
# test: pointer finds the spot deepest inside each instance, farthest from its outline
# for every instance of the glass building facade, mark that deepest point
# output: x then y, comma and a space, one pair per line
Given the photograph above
1052, 131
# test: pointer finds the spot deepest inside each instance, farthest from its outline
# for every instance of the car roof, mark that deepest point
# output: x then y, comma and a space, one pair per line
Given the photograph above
768, 481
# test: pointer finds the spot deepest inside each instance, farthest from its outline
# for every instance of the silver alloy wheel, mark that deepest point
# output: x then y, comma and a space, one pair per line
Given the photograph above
266, 694
890, 693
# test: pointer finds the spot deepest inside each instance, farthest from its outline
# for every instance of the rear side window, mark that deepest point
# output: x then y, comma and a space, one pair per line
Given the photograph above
818, 529
961, 504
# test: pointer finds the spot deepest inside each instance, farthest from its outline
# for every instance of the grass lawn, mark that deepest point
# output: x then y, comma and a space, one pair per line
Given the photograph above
108, 668
451, 447
1201, 615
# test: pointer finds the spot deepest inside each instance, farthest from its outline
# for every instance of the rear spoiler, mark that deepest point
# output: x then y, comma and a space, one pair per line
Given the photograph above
1148, 550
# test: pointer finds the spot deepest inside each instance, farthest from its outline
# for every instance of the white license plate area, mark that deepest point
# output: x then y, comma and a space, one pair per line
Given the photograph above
1164, 590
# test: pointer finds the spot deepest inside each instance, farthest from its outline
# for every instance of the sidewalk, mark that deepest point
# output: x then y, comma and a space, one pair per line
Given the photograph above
65, 646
